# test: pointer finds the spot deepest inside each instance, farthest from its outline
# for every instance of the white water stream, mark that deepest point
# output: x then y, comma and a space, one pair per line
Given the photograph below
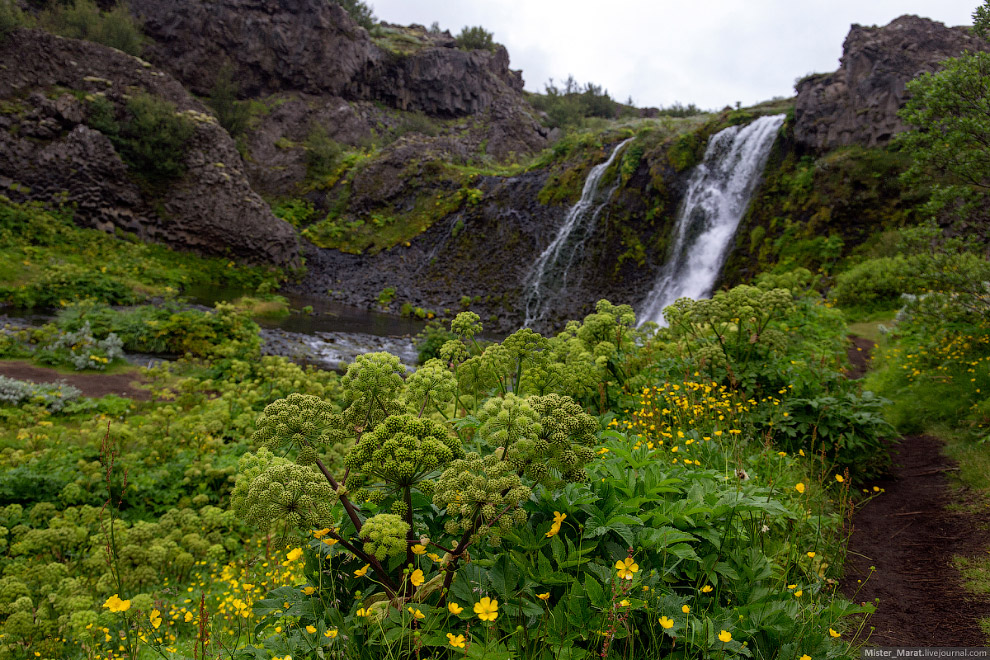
547, 279
718, 193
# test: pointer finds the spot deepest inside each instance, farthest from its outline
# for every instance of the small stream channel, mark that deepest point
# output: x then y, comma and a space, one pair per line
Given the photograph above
329, 336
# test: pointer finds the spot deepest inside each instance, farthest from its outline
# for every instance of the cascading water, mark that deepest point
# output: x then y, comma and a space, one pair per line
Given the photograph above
547, 278
717, 196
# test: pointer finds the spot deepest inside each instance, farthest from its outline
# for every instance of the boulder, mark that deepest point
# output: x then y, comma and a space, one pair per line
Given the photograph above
858, 104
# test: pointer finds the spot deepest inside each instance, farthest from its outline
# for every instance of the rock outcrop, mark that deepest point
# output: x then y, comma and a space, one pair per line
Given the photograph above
858, 104
48, 152
314, 47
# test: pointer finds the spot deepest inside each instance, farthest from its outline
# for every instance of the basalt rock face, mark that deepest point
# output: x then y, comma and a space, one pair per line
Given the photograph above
858, 104
314, 47
48, 152
308, 46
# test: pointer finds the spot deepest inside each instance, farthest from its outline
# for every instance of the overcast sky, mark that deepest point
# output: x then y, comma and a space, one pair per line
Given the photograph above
708, 52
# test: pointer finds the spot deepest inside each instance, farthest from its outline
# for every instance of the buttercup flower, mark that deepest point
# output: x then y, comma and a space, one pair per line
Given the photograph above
417, 578
805, 657
666, 622
811, 555
626, 568
486, 609
833, 633
725, 636
706, 589
361, 571
416, 613
155, 618
839, 478
799, 487
419, 549
294, 554
311, 629
330, 633
454, 608
544, 596
457, 641
115, 604
685, 609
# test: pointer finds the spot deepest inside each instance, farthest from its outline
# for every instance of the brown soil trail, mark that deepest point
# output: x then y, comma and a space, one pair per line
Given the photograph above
91, 384
910, 538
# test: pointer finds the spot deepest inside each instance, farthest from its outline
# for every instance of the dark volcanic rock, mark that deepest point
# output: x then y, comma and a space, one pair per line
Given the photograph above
48, 153
858, 104
274, 45
314, 47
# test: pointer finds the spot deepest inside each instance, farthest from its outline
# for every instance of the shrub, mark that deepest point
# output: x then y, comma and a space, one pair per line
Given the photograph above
877, 284
359, 11
475, 38
52, 396
154, 138
11, 18
322, 153
81, 350
232, 114
84, 20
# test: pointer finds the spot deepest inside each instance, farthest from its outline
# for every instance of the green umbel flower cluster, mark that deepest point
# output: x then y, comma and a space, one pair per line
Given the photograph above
301, 421
564, 445
385, 535
466, 325
484, 486
508, 422
430, 384
272, 491
401, 451
370, 389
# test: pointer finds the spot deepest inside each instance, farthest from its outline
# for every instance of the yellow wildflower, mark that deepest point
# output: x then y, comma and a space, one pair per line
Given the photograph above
115, 604
155, 618
626, 568
311, 629
486, 609
454, 608
706, 589
457, 641
666, 622
362, 571
330, 633
833, 633
725, 636
416, 613
294, 554
419, 549
799, 487
544, 596
417, 578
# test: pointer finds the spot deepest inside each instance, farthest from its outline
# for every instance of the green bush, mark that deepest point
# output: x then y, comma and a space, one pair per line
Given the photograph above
154, 138
877, 284
232, 114
83, 19
322, 154
11, 18
475, 38
359, 11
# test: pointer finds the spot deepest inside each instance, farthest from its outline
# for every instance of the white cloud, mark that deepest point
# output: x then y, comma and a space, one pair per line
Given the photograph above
708, 52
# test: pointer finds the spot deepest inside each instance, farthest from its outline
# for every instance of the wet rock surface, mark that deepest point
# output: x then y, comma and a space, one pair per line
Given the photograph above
858, 103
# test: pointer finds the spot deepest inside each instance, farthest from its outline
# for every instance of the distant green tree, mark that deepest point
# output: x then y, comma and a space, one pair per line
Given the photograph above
476, 38
83, 19
11, 18
361, 12
951, 112
233, 114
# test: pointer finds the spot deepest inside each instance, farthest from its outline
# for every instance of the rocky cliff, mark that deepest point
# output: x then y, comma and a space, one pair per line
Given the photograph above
49, 152
858, 104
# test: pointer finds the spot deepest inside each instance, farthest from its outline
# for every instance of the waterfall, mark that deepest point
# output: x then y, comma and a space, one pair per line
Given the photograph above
547, 279
717, 195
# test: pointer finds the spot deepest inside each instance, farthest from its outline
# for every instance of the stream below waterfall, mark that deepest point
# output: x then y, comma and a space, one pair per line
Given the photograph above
331, 335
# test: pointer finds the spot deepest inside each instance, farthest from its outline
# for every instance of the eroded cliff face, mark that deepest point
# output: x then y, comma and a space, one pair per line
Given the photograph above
314, 68
858, 104
49, 153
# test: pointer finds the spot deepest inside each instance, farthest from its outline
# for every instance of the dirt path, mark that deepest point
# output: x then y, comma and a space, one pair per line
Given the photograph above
910, 538
91, 384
